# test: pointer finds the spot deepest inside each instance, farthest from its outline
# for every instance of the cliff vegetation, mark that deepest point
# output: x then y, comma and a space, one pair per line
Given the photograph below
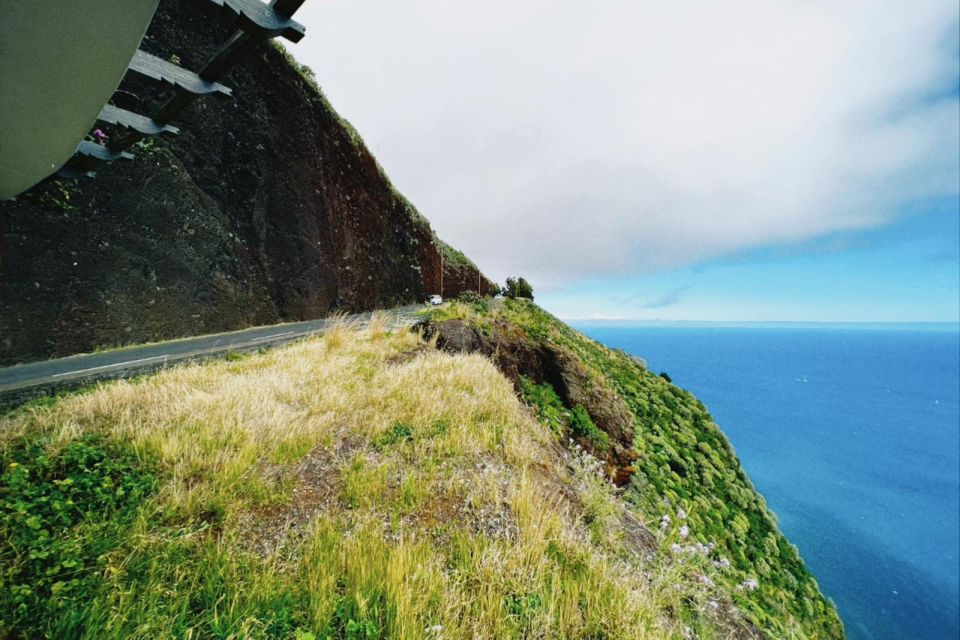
369, 485
659, 443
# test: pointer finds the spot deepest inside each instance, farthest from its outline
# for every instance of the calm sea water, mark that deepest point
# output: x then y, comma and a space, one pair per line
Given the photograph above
851, 434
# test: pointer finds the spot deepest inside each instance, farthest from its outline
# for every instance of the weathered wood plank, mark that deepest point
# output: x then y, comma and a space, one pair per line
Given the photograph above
163, 71
70, 173
261, 20
134, 121
286, 7
100, 152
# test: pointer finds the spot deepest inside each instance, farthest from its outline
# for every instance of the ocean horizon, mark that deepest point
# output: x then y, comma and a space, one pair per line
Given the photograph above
851, 431
762, 324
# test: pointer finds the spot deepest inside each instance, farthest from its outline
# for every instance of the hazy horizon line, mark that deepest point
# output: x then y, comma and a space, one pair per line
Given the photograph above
891, 324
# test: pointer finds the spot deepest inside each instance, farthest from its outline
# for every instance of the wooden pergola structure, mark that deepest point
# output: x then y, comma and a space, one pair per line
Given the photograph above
44, 121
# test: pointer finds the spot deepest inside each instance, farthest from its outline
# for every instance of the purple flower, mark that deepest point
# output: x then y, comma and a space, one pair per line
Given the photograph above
664, 522
681, 514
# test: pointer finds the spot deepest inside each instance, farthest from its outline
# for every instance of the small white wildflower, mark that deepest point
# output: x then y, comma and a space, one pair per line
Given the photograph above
684, 531
664, 522
705, 580
675, 548
681, 514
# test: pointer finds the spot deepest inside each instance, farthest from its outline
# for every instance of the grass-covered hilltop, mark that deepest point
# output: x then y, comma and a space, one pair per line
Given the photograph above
490, 474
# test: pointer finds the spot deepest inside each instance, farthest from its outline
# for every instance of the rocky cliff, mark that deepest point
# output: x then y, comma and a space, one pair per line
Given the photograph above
266, 208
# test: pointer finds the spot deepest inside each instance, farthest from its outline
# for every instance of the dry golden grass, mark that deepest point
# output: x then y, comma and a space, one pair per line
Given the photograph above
446, 519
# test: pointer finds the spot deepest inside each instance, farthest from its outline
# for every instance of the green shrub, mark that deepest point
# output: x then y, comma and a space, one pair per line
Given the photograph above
353, 624
583, 426
545, 401
60, 513
475, 300
554, 414
524, 608
518, 288
469, 297
399, 432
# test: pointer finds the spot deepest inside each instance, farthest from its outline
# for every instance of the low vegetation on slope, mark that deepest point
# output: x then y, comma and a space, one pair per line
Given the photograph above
360, 485
685, 480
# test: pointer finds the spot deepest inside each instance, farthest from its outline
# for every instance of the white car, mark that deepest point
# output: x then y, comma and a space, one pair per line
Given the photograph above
435, 300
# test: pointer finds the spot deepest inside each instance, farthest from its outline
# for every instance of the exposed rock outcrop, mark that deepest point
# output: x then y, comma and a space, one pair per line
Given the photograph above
516, 354
265, 208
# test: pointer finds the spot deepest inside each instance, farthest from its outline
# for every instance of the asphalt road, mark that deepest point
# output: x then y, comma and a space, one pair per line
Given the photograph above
23, 381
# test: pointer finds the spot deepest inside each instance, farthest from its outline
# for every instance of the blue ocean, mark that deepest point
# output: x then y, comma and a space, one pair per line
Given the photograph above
852, 433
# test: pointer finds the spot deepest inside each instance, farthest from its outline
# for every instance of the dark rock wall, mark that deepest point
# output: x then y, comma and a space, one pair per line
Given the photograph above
516, 354
265, 208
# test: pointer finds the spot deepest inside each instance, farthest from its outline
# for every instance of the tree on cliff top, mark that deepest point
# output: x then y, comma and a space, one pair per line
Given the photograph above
518, 288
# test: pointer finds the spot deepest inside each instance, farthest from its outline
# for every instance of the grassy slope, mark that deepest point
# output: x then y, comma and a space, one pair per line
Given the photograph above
358, 485
685, 462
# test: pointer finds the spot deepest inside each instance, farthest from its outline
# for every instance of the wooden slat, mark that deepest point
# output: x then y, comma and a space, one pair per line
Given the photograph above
163, 71
261, 20
286, 7
72, 174
100, 152
135, 121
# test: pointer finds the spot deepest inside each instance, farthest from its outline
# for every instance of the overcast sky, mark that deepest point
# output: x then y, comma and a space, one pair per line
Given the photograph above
593, 143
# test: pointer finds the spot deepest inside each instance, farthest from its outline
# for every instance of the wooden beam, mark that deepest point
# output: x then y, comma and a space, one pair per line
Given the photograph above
99, 152
286, 7
134, 121
229, 53
182, 79
257, 22
70, 173
261, 20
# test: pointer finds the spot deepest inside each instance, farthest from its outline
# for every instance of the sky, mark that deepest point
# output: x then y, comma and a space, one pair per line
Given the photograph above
683, 160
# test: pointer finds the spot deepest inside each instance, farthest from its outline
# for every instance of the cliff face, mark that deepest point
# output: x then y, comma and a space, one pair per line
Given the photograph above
265, 208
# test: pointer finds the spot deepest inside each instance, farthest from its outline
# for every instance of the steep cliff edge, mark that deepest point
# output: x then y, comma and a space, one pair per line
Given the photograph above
660, 445
265, 208
363, 484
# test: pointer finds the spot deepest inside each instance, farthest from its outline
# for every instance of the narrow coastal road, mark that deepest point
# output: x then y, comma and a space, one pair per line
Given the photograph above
20, 382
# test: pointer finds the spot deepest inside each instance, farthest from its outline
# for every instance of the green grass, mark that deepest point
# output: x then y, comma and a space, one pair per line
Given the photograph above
685, 462
62, 511
325, 489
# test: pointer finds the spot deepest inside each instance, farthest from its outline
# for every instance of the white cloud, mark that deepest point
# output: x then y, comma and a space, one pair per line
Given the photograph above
564, 140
